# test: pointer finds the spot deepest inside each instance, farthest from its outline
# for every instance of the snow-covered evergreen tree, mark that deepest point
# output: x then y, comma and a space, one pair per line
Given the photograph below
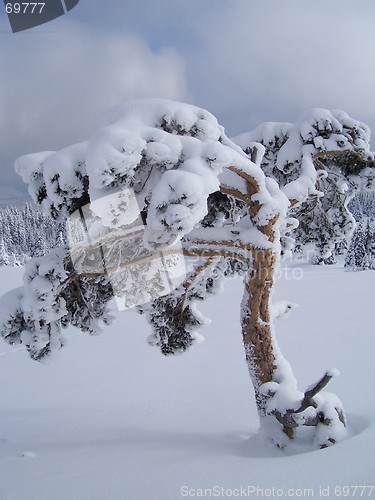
161, 180
357, 258
363, 205
4, 257
361, 253
27, 232
328, 153
370, 242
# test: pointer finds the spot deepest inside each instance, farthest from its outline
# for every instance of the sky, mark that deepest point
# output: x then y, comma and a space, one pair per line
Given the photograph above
245, 61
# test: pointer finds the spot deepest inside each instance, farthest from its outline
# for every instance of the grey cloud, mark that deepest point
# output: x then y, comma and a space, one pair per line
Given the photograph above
54, 86
270, 60
246, 62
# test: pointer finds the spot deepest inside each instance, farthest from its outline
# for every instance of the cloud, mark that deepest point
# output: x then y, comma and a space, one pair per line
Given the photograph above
55, 86
246, 62
271, 60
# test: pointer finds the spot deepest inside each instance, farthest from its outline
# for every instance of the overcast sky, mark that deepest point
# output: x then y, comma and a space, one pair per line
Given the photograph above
246, 61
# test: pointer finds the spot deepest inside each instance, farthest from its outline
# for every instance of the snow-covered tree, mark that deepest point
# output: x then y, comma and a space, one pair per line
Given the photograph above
361, 252
363, 205
357, 258
370, 242
341, 165
161, 180
4, 257
27, 232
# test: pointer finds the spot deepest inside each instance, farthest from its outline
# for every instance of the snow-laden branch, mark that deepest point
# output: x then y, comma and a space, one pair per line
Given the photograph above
160, 181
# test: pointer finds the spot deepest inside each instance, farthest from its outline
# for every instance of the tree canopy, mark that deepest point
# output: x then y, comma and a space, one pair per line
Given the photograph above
160, 182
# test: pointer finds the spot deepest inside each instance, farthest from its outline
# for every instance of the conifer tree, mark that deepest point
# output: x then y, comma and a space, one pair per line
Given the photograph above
342, 166
161, 181
357, 258
28, 232
4, 258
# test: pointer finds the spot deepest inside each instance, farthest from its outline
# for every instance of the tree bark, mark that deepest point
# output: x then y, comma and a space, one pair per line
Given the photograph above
256, 323
264, 358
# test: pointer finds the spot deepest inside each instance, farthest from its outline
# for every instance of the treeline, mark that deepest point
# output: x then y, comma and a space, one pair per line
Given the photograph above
27, 232
362, 206
361, 252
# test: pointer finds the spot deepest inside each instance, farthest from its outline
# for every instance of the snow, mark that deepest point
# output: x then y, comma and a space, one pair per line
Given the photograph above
58, 166
172, 155
291, 147
178, 203
266, 132
111, 418
333, 372
117, 209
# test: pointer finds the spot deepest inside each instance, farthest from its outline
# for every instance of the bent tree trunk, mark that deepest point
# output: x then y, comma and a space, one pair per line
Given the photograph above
281, 408
256, 323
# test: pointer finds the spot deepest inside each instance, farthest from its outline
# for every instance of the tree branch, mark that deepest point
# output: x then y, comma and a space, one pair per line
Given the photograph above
313, 391
235, 193
356, 161
187, 284
287, 419
247, 177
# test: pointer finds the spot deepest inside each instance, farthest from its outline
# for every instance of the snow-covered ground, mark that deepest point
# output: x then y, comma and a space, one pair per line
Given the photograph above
111, 418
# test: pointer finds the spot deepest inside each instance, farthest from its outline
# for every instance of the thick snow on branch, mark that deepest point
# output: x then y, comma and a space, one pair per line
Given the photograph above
319, 164
290, 148
163, 165
57, 180
172, 155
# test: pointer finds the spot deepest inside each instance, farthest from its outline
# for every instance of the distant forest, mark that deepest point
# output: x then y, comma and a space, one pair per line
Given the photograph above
27, 232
